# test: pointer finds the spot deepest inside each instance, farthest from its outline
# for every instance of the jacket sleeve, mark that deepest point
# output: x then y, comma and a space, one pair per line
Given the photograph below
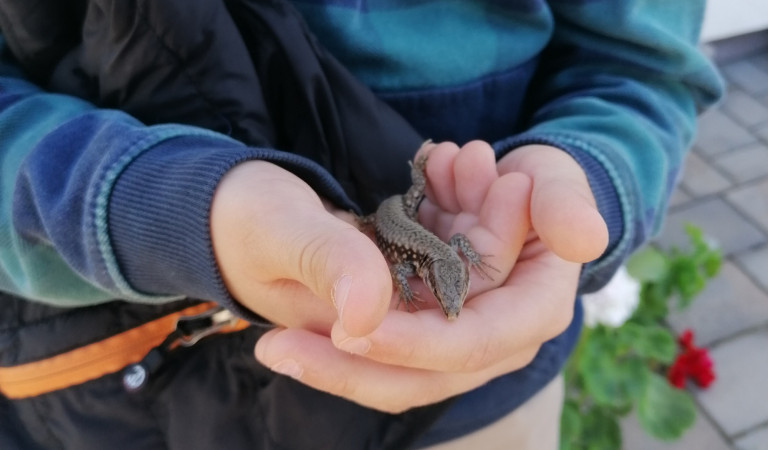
619, 89
96, 206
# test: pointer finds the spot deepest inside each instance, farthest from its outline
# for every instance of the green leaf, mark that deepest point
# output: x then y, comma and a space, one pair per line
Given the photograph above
613, 381
695, 235
570, 425
712, 262
647, 264
663, 411
653, 302
687, 279
649, 341
600, 430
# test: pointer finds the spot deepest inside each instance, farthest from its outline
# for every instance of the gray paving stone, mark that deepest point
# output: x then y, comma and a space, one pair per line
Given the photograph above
755, 264
762, 131
754, 440
744, 108
678, 198
732, 232
760, 61
752, 200
701, 436
700, 179
718, 133
738, 399
748, 76
730, 304
746, 163
731, 148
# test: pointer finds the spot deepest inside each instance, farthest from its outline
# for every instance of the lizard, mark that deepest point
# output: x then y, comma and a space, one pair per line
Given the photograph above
414, 250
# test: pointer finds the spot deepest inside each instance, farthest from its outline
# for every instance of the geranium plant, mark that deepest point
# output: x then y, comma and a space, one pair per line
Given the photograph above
628, 359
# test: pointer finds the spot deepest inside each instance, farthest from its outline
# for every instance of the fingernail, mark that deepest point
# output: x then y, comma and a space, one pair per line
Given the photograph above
340, 293
356, 345
289, 367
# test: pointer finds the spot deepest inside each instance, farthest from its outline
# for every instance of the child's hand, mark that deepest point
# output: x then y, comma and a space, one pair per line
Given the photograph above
282, 254
417, 358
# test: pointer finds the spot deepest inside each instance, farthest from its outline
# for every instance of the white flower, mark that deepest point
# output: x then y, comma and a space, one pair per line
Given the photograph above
613, 304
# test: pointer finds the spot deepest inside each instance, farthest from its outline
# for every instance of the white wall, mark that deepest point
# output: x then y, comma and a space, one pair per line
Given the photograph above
728, 18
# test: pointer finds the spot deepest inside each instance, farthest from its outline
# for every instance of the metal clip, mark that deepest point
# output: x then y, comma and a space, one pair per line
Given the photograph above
193, 328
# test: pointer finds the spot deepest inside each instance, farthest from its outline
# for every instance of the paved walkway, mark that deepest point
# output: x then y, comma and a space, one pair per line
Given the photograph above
724, 191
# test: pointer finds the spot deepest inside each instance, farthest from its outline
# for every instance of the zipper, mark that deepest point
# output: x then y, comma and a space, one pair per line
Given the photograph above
145, 345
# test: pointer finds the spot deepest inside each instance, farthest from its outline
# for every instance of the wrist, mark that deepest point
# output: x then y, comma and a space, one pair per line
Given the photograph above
158, 217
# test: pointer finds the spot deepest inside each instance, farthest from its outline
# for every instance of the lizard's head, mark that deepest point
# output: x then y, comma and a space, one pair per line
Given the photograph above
448, 279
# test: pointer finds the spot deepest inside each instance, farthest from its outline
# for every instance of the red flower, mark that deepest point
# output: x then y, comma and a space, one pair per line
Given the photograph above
693, 362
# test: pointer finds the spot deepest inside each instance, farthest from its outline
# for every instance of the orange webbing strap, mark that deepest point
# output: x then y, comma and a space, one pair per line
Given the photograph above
94, 360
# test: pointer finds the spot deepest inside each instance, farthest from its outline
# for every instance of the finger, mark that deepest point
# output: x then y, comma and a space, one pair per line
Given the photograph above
563, 209
502, 229
474, 170
504, 217
535, 305
502, 213
314, 361
505, 211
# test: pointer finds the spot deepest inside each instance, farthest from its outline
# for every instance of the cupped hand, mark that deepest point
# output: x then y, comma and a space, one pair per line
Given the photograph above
413, 359
417, 358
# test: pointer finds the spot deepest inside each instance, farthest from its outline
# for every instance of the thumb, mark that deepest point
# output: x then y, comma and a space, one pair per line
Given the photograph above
565, 217
563, 209
271, 234
340, 264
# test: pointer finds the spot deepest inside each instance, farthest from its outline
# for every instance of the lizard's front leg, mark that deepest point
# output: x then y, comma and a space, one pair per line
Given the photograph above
460, 243
400, 273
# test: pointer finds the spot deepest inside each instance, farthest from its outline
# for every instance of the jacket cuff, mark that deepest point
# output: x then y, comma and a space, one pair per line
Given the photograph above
159, 215
606, 198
